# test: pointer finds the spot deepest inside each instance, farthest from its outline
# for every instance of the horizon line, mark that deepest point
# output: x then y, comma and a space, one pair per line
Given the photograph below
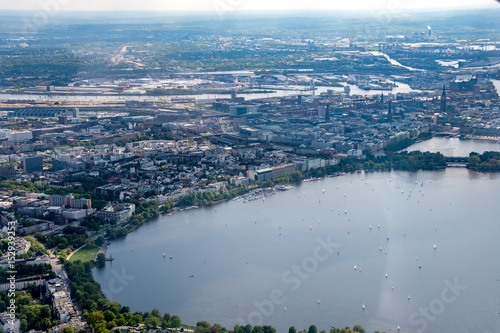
262, 10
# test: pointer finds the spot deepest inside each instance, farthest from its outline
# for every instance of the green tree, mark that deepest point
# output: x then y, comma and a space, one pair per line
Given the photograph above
312, 329
45, 311
292, 329
24, 325
95, 317
99, 241
296, 176
44, 324
100, 260
108, 315
156, 313
358, 328
175, 322
68, 330
203, 323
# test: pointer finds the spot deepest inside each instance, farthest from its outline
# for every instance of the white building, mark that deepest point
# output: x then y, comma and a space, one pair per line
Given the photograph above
356, 153
6, 323
74, 214
4, 132
17, 136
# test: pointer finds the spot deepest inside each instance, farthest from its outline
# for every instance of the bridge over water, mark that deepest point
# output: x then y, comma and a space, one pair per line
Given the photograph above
456, 161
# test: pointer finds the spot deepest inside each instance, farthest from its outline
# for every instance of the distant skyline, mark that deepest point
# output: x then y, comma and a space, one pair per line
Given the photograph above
227, 5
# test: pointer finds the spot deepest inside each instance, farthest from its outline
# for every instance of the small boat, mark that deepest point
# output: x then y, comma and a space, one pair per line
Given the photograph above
318, 301
170, 257
163, 255
363, 307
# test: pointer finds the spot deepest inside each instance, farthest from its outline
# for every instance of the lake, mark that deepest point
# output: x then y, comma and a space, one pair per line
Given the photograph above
455, 146
417, 250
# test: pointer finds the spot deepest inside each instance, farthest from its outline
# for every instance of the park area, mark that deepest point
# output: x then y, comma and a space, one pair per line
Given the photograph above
84, 254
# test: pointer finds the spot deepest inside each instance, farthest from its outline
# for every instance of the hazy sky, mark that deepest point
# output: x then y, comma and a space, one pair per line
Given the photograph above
239, 4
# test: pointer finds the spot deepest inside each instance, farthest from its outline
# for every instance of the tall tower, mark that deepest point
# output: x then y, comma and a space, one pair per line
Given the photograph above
389, 112
443, 100
382, 98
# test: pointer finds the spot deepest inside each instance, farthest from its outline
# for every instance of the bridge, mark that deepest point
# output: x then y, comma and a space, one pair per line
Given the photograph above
456, 161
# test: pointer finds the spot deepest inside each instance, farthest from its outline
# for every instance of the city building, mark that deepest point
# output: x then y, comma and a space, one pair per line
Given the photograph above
238, 110
118, 212
7, 170
17, 136
70, 201
6, 322
33, 163
31, 112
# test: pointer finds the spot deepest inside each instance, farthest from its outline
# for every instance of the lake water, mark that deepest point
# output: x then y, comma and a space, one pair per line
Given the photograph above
296, 250
455, 146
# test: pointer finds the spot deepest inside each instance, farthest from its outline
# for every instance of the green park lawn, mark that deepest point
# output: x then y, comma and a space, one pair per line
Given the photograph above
86, 253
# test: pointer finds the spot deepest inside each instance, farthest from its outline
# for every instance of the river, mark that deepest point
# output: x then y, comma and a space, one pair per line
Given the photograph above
395, 62
401, 88
496, 83
289, 259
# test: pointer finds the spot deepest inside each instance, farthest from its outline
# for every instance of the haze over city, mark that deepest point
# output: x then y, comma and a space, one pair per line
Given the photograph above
239, 166
261, 5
